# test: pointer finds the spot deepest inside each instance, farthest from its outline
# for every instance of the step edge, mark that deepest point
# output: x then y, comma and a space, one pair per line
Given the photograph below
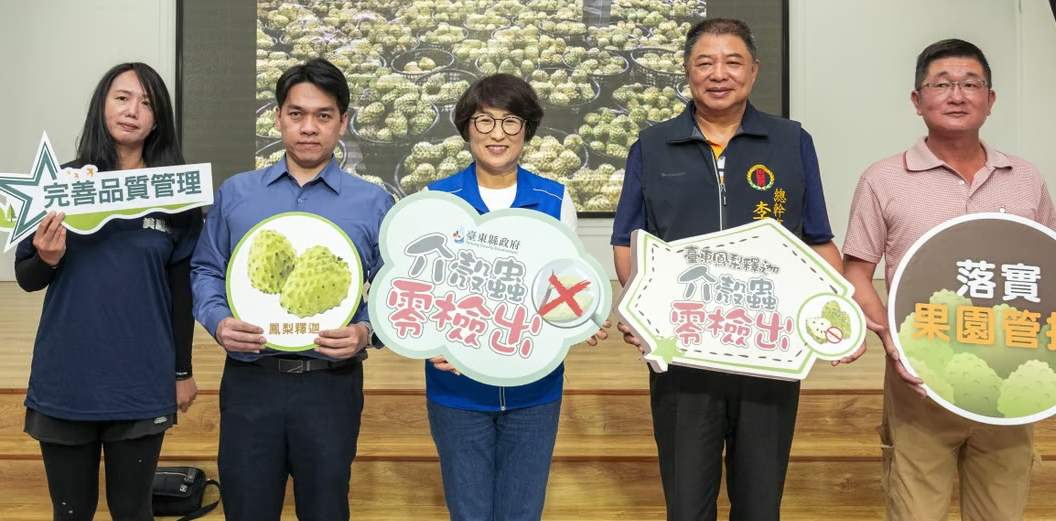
580, 392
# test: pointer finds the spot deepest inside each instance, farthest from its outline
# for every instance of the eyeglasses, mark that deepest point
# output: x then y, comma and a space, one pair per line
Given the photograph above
511, 125
944, 88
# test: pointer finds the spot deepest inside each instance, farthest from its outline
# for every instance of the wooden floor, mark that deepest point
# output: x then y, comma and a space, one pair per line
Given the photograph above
604, 463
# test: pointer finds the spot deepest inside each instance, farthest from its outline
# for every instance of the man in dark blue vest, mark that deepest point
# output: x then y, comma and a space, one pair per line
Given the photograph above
720, 164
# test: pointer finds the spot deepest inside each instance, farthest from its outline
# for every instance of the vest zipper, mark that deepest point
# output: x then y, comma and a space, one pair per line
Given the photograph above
722, 191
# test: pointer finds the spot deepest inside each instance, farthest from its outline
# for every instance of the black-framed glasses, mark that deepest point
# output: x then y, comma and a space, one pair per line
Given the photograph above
511, 125
969, 86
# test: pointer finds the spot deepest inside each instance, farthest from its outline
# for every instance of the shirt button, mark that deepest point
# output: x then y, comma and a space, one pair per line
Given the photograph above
302, 200
961, 181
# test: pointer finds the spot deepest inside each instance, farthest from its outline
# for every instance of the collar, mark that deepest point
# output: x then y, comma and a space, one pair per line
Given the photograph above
686, 128
330, 174
920, 158
469, 189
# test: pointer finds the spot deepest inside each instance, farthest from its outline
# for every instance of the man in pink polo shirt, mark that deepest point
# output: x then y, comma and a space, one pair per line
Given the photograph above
949, 173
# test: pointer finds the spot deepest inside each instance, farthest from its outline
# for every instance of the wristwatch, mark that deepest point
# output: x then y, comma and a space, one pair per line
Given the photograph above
370, 334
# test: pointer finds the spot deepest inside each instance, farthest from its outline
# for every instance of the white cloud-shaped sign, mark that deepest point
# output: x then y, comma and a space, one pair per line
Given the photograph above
502, 295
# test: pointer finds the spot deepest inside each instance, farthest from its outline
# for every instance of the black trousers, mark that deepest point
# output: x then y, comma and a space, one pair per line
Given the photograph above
73, 478
695, 414
274, 425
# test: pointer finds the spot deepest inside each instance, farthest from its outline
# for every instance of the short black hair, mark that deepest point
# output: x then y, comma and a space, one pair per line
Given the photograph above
502, 92
719, 26
318, 72
951, 48
161, 148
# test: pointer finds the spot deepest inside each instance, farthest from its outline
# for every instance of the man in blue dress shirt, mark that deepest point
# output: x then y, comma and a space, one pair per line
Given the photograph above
285, 414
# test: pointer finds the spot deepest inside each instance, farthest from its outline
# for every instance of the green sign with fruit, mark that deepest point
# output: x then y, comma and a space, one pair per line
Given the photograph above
294, 274
974, 317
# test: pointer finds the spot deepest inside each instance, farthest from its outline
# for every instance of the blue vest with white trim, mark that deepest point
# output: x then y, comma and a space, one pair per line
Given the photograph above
461, 392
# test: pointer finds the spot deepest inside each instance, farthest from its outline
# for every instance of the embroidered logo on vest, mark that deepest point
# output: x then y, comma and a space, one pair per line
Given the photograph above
760, 177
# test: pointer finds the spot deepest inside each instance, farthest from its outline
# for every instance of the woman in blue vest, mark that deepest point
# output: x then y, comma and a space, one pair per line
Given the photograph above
495, 443
112, 356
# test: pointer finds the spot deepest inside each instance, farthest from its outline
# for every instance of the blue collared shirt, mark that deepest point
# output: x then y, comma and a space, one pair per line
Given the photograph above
354, 205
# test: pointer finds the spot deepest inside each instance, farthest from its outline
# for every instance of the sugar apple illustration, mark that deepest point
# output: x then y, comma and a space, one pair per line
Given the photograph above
831, 316
936, 380
935, 352
976, 387
563, 312
271, 259
1030, 389
319, 282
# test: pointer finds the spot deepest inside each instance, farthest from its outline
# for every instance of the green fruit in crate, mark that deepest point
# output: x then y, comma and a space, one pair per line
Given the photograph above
507, 67
420, 122
319, 282
397, 124
370, 133
406, 104
464, 158
453, 145
271, 259
560, 98
448, 167
425, 171
615, 150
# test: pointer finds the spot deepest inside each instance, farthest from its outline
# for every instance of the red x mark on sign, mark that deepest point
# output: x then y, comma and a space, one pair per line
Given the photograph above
564, 296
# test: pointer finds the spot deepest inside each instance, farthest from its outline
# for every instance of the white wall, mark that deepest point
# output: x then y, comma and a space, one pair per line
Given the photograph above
53, 54
852, 71
853, 67
1037, 40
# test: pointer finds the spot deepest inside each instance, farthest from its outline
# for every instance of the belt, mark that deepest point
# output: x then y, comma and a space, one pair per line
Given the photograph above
303, 365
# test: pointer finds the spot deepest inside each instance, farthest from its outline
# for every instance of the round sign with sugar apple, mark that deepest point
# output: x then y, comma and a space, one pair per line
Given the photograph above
294, 274
972, 308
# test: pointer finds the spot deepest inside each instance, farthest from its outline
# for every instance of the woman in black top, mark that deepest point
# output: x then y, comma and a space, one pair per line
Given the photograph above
112, 356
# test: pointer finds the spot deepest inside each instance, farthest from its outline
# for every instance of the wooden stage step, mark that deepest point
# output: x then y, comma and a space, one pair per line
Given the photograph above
578, 490
608, 427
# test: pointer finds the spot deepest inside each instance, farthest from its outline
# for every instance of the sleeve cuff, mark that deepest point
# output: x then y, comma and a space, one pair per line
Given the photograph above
819, 240
867, 257
214, 317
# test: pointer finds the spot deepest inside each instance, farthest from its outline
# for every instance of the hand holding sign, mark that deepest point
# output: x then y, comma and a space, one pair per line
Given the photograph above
50, 240
235, 335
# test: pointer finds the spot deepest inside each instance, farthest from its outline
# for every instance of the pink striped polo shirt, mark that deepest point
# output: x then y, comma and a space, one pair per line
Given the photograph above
900, 198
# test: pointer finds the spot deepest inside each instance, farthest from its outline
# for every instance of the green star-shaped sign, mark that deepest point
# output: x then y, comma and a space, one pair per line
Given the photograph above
23, 193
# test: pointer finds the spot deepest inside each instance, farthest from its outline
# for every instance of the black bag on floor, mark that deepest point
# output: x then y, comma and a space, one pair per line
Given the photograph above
178, 491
